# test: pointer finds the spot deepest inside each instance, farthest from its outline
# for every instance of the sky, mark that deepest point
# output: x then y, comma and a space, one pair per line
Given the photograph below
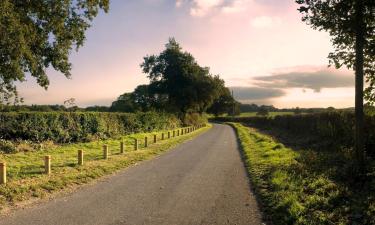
261, 48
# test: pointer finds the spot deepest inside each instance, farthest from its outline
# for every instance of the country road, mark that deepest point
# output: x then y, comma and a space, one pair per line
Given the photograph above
202, 181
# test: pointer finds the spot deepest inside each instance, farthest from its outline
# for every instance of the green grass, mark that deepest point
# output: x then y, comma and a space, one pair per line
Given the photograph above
252, 114
25, 169
271, 114
304, 186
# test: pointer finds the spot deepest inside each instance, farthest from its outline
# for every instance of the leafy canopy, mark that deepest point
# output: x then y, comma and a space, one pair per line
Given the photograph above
38, 34
223, 104
176, 76
338, 17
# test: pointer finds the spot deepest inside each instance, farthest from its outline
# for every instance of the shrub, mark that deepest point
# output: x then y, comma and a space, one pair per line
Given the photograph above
7, 146
67, 127
337, 128
194, 119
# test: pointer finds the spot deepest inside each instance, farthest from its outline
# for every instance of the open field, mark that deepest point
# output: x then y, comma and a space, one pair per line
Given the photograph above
271, 114
299, 185
25, 169
252, 114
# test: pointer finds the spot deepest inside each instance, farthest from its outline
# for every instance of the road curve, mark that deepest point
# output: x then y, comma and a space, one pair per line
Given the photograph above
202, 181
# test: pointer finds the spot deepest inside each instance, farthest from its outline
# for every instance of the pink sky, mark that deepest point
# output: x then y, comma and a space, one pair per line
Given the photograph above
242, 40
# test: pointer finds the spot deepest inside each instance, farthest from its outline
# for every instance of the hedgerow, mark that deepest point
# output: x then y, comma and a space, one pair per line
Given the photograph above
68, 127
334, 128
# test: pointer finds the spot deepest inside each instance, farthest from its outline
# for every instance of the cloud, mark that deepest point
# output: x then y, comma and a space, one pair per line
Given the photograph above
315, 80
203, 7
256, 94
265, 21
235, 7
179, 3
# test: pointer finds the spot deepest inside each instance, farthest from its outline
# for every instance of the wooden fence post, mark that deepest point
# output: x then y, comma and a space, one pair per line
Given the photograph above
122, 147
146, 142
47, 164
162, 136
80, 157
3, 173
155, 138
105, 151
169, 134
178, 132
136, 144
174, 134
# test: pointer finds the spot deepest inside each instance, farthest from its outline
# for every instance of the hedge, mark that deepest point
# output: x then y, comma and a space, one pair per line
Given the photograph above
335, 127
68, 127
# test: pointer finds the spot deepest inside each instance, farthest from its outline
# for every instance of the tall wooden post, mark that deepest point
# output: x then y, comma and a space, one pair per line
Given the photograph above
105, 151
47, 164
146, 142
80, 157
155, 138
136, 144
122, 147
3, 173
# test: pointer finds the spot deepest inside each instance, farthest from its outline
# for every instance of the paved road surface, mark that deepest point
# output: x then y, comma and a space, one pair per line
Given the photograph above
201, 182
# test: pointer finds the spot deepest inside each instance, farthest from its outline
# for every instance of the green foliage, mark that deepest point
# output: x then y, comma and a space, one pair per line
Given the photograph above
347, 22
178, 83
271, 114
193, 119
141, 99
305, 187
64, 127
263, 111
7, 146
38, 34
336, 129
223, 104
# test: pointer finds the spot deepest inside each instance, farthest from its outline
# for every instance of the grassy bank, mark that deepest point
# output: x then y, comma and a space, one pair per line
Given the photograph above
305, 186
26, 179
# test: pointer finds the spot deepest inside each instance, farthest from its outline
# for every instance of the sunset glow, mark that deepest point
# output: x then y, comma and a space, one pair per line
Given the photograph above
244, 41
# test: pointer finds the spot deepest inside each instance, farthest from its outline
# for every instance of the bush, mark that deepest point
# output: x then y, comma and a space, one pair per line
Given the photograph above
337, 128
67, 127
7, 146
194, 119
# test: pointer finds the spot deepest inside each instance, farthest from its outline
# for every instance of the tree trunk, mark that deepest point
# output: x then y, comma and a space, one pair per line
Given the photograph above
359, 79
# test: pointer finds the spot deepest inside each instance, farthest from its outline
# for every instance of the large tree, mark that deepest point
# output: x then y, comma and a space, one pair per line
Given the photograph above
37, 34
141, 99
223, 104
188, 87
351, 25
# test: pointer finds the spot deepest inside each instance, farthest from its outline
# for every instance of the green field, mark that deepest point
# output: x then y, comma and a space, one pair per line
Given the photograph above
305, 186
25, 170
249, 114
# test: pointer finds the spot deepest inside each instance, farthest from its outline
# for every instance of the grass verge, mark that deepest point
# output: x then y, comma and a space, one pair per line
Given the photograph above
26, 178
304, 187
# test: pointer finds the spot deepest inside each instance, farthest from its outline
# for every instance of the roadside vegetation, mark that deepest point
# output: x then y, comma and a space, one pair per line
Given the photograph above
71, 127
26, 178
299, 185
271, 114
331, 131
